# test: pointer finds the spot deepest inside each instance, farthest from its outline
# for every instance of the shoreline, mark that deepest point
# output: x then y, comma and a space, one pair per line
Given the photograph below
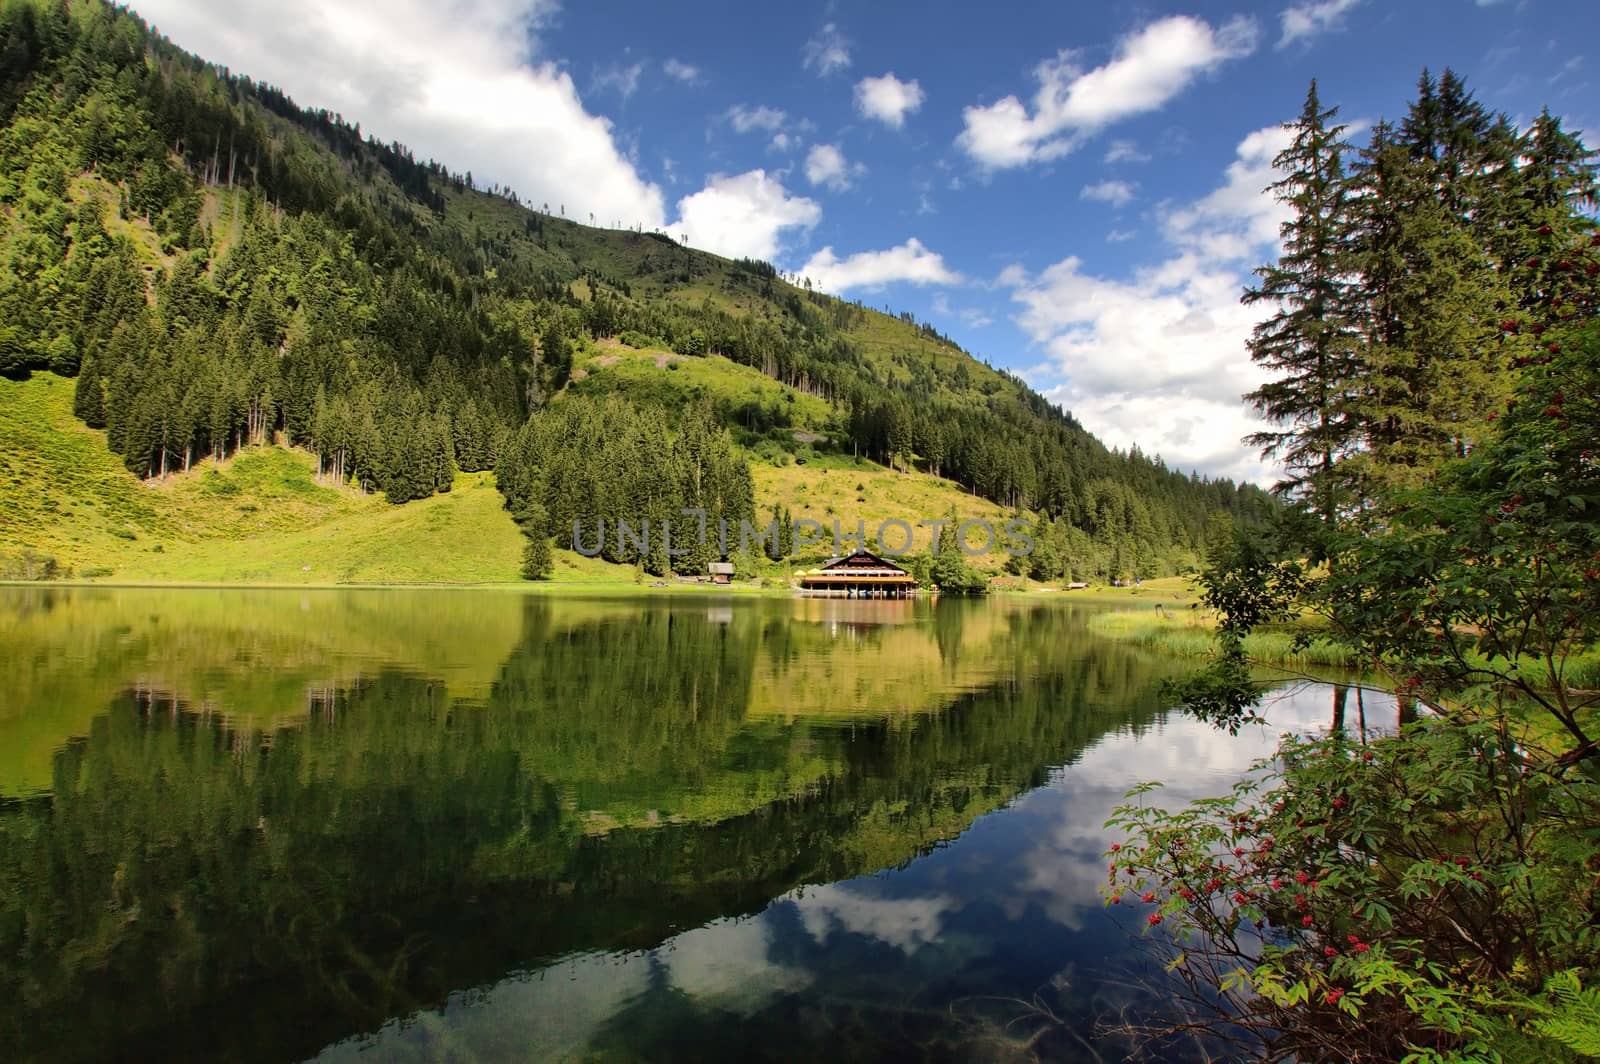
1166, 591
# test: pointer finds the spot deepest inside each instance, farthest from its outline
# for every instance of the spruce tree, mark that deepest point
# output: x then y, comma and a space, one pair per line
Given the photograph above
1308, 342
1381, 184
442, 456
656, 562
537, 563
88, 397
1430, 196
779, 543
949, 568
1546, 224
900, 434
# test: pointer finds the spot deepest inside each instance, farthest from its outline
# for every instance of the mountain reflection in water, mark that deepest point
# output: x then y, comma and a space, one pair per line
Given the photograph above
486, 825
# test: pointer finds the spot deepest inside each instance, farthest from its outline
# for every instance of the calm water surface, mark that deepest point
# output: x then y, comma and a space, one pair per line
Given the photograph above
474, 825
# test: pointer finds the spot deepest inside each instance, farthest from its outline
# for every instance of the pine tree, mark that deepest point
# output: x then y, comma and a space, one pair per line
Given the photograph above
537, 563
1546, 223
555, 353
1308, 341
949, 568
899, 434
1381, 183
1430, 197
443, 459
933, 447
1044, 563
779, 543
88, 396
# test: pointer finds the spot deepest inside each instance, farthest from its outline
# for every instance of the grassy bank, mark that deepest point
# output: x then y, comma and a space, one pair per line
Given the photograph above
1166, 594
1192, 633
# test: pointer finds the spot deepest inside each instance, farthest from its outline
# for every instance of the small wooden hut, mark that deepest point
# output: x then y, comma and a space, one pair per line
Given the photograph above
721, 572
859, 575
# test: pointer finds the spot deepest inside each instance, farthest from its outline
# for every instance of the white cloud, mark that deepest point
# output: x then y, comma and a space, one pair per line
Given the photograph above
744, 215
566, 1005
744, 119
888, 99
1012, 276
911, 263
678, 70
460, 82
1064, 858
623, 80
1305, 20
1239, 218
826, 165
827, 52
783, 142
907, 924
1116, 193
1159, 360
1120, 236
1125, 151
1149, 68
1566, 70
727, 964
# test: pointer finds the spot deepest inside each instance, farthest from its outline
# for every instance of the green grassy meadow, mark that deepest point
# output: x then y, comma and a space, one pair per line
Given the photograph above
1186, 632
659, 376
263, 516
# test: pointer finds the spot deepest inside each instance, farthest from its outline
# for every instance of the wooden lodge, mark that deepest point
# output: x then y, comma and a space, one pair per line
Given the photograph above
859, 575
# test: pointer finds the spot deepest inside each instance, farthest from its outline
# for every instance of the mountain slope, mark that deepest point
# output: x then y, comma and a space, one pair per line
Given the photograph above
220, 268
262, 516
259, 517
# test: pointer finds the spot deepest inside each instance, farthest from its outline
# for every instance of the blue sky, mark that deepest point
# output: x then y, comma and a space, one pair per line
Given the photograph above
1069, 191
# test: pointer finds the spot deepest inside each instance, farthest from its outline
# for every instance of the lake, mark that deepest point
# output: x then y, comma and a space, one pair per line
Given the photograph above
486, 825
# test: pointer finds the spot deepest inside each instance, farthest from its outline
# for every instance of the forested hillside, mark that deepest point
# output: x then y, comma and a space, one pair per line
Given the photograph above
218, 266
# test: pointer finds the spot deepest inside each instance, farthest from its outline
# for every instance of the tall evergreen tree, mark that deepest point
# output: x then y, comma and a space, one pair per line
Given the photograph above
779, 545
537, 563
1546, 219
1429, 197
1308, 342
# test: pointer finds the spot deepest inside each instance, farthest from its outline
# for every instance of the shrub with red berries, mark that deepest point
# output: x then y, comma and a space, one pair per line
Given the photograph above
1348, 904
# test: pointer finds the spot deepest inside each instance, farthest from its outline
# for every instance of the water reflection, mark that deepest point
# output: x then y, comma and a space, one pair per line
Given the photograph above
491, 826
1013, 908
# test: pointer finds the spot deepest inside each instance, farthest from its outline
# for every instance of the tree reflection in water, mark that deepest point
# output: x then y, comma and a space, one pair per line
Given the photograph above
303, 822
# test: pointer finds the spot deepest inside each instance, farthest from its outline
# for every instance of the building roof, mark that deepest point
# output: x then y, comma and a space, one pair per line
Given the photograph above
720, 568
862, 563
862, 567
